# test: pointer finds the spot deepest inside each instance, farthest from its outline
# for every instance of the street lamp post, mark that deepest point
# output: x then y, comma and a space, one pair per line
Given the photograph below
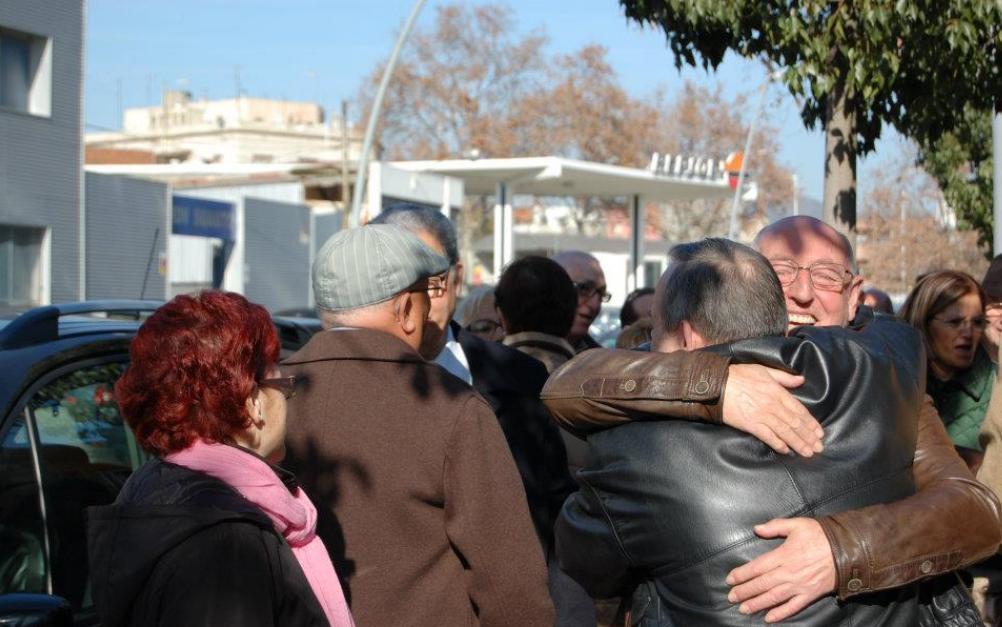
377, 105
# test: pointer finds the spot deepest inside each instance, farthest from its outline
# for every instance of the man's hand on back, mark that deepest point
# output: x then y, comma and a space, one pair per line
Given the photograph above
788, 578
757, 402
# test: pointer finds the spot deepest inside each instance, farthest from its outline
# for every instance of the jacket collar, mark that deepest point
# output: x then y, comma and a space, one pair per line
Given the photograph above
973, 382
545, 341
354, 344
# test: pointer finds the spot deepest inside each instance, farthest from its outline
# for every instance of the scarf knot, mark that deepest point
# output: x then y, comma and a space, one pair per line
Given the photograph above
291, 513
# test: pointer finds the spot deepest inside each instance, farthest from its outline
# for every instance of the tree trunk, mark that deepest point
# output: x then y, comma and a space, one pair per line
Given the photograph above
840, 164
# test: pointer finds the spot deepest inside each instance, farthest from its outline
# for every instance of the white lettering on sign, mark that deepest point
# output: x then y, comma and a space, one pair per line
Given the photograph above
679, 166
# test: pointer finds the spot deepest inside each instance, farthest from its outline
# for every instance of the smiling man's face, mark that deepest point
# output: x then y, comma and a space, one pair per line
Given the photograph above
805, 242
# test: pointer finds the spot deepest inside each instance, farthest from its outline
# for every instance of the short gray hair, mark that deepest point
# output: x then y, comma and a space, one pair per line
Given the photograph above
725, 290
349, 317
416, 218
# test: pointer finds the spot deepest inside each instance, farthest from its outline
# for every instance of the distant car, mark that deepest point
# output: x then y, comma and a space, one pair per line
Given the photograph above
605, 328
64, 447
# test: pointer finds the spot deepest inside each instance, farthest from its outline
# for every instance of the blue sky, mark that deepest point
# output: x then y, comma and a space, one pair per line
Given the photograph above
320, 50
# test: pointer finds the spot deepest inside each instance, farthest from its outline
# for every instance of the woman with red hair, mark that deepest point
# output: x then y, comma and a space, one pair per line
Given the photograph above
210, 531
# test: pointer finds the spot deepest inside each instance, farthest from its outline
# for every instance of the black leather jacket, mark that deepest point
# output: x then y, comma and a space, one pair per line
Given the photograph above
669, 506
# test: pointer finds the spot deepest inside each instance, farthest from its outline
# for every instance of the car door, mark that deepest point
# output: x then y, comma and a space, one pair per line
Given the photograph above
63, 449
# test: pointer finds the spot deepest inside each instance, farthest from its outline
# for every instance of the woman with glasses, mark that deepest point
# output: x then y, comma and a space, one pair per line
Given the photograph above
947, 308
210, 531
479, 315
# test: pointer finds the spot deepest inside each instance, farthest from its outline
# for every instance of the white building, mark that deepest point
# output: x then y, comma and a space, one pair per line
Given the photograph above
237, 130
42, 234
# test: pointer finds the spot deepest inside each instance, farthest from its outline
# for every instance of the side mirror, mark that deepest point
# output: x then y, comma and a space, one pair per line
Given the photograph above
34, 610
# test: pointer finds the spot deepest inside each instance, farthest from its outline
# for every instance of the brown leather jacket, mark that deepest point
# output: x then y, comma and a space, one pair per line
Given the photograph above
875, 548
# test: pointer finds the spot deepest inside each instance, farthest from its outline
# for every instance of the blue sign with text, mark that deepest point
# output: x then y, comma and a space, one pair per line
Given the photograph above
206, 218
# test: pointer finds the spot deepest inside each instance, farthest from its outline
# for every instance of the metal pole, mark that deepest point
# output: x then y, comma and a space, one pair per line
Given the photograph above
377, 105
149, 263
635, 272
345, 192
500, 200
997, 181
796, 195
732, 233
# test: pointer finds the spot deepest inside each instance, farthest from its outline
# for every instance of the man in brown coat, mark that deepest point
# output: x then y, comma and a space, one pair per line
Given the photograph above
420, 503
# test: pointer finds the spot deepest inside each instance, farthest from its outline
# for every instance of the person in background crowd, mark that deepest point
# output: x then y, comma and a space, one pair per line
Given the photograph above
635, 335
992, 286
638, 304
947, 308
210, 531
852, 552
670, 506
877, 300
537, 301
507, 379
479, 315
422, 505
589, 280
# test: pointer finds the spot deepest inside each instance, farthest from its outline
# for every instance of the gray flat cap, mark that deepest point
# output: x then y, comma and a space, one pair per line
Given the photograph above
370, 264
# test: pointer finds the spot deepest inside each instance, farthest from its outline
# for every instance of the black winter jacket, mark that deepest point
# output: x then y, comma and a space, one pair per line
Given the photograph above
670, 506
510, 382
179, 547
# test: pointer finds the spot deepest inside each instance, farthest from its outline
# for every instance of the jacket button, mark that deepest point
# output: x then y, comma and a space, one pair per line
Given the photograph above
926, 567
630, 385
702, 387
854, 585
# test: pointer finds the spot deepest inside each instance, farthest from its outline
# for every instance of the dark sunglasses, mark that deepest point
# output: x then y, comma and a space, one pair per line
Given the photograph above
285, 385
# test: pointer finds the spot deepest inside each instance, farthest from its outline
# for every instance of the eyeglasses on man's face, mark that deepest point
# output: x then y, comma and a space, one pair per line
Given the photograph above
285, 385
435, 286
825, 275
588, 289
978, 323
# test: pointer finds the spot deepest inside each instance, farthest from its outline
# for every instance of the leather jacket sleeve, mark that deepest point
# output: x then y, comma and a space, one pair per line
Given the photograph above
990, 472
885, 546
602, 388
874, 548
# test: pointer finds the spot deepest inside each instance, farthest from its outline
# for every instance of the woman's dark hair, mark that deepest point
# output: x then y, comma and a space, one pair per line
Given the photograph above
536, 294
194, 363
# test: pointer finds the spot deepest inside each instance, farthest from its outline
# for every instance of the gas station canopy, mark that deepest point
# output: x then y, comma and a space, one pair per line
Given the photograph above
557, 176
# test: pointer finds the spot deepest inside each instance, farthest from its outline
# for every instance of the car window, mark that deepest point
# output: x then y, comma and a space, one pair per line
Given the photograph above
86, 452
22, 553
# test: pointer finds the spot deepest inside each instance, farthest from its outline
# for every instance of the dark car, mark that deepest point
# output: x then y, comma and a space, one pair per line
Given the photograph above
64, 447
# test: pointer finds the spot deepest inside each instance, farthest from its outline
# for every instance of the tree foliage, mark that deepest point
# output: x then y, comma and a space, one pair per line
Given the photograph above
458, 85
700, 120
908, 227
854, 64
473, 81
912, 63
961, 162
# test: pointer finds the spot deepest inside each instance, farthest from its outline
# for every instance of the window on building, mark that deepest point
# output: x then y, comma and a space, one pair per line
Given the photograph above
25, 72
21, 276
652, 272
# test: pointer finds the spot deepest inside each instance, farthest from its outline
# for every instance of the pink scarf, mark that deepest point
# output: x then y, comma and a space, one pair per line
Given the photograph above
293, 515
